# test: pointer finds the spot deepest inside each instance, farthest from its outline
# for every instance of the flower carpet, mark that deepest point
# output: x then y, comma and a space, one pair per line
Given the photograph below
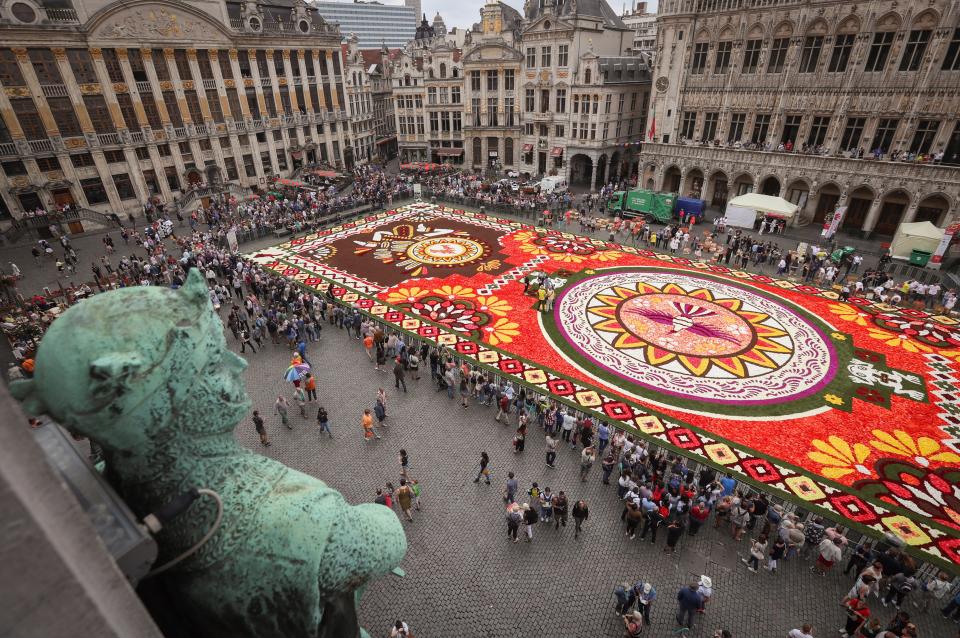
851, 409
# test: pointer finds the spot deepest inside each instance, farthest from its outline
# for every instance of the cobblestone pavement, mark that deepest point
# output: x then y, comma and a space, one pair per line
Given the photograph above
463, 577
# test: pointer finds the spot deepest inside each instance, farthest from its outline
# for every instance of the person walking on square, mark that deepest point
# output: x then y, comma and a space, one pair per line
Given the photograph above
551, 451
404, 462
367, 423
587, 457
530, 518
398, 374
580, 513
485, 469
324, 422
560, 505
510, 489
310, 385
261, 430
301, 399
514, 518
674, 532
280, 407
404, 497
688, 602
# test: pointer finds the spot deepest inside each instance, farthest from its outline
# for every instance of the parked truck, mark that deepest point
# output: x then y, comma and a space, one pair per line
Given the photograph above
654, 206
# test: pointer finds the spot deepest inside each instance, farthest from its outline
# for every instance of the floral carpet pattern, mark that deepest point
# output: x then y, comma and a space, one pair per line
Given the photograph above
848, 408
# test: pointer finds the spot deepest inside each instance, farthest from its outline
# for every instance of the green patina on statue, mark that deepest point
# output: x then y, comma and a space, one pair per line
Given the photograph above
146, 373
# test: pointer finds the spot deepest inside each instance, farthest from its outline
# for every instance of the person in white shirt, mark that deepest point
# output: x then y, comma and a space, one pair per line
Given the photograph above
803, 632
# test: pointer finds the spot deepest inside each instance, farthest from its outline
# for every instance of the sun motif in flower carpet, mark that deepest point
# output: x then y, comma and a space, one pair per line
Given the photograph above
688, 340
705, 334
417, 247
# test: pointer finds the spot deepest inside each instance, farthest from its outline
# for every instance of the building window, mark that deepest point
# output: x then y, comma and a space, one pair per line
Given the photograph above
249, 168
529, 100
65, 116
475, 80
110, 60
477, 151
778, 55
737, 122
492, 112
431, 95
45, 66
434, 122
508, 111
455, 93
81, 64
531, 57
709, 127
544, 100
561, 101
721, 63
923, 137
842, 46
951, 61
14, 168
914, 50
457, 122
281, 159
761, 128
563, 53
143, 153
688, 125
558, 130
170, 102
193, 105
10, 69
699, 62
818, 130
127, 111
445, 122
29, 118
493, 79
852, 133
810, 54
124, 186
508, 151
751, 55
528, 128
81, 160
94, 190
791, 126
509, 79
545, 57
606, 104
879, 52
114, 157
886, 131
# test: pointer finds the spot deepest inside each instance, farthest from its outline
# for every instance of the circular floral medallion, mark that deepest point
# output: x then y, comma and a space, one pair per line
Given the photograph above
693, 342
445, 251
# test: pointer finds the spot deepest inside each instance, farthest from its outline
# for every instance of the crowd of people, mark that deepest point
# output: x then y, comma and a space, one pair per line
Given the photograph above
879, 154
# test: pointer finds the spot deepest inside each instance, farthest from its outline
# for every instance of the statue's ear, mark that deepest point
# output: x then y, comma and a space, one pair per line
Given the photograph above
25, 391
110, 375
195, 288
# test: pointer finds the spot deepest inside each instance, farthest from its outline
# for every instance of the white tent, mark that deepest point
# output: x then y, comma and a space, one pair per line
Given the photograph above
915, 236
743, 210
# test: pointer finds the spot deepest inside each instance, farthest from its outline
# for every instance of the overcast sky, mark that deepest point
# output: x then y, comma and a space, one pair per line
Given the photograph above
463, 13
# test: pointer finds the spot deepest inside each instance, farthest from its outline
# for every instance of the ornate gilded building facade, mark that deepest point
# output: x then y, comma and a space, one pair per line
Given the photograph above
369, 103
826, 103
106, 105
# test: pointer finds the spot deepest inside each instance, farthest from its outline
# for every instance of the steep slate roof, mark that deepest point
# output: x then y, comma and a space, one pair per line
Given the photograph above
596, 8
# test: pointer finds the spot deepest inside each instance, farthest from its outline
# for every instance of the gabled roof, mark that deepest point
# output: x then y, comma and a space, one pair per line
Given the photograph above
570, 8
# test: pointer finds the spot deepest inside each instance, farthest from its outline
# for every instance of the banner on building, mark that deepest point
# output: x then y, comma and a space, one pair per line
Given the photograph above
948, 236
832, 223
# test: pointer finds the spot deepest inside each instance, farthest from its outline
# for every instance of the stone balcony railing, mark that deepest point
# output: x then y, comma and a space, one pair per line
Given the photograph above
789, 165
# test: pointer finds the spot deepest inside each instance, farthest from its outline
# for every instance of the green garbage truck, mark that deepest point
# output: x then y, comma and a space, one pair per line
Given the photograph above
656, 207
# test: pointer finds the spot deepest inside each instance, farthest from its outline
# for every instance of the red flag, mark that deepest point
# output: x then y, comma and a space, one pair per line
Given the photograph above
653, 128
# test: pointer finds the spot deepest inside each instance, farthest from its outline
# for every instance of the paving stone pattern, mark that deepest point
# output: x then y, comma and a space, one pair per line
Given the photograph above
463, 577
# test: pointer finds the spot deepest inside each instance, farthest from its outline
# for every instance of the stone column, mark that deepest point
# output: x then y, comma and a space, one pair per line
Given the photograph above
131, 82
274, 83
108, 89
242, 84
155, 88
911, 213
222, 85
872, 216
198, 87
73, 90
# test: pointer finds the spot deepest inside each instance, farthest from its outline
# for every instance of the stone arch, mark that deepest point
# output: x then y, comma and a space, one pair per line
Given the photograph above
926, 20
743, 184
890, 21
717, 190
671, 179
858, 206
893, 205
770, 185
727, 33
827, 197
126, 21
581, 169
933, 208
849, 25
703, 35
756, 31
443, 70
798, 191
783, 29
693, 182
647, 177
818, 27
614, 167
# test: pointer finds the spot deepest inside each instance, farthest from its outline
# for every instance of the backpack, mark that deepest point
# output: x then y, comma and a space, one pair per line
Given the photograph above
534, 492
534, 517
621, 594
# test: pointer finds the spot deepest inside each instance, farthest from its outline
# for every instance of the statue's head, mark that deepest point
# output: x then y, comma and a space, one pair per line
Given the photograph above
138, 367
